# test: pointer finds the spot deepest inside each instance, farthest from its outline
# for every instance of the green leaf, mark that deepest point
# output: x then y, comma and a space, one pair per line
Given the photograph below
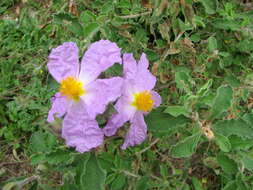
161, 123
241, 183
222, 101
228, 165
76, 27
210, 6
247, 161
226, 24
234, 127
238, 143
93, 177
248, 118
182, 80
198, 20
231, 185
115, 70
233, 81
72, 22
143, 183
62, 16
152, 55
67, 186
59, 157
119, 182
176, 111
42, 142
212, 44
186, 147
38, 158
82, 160
87, 16
90, 29
203, 91
222, 142
197, 184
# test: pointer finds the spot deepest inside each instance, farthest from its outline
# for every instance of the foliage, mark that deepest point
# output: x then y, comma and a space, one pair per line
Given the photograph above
200, 138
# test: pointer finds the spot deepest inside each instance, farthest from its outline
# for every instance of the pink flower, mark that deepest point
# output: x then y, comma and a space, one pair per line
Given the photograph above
81, 95
137, 99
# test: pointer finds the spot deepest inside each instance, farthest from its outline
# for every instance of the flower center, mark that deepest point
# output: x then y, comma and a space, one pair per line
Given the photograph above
72, 88
143, 101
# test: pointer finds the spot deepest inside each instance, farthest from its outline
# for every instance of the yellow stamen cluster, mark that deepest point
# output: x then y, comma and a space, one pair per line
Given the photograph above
143, 101
72, 88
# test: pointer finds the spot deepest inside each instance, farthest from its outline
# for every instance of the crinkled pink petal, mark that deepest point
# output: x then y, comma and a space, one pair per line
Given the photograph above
79, 130
129, 66
100, 92
157, 98
145, 80
137, 132
59, 107
115, 122
100, 56
143, 62
125, 113
63, 61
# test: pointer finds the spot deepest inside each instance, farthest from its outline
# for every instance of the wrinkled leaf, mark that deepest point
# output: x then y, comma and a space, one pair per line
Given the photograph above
222, 101
222, 142
176, 111
228, 165
42, 142
161, 123
186, 147
93, 177
234, 127
210, 6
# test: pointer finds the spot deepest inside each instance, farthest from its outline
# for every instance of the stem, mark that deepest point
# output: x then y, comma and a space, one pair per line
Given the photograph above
136, 15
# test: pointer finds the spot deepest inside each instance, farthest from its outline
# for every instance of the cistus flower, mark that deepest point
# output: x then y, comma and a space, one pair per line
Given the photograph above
81, 95
137, 99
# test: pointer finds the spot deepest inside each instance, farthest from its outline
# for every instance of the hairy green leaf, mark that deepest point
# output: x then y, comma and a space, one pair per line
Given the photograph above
247, 161
118, 182
93, 177
197, 184
161, 123
90, 29
142, 183
239, 143
212, 44
210, 6
222, 101
222, 142
231, 185
234, 127
42, 142
176, 111
186, 147
228, 165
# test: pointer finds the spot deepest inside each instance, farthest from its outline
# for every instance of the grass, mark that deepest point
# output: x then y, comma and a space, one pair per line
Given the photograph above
195, 48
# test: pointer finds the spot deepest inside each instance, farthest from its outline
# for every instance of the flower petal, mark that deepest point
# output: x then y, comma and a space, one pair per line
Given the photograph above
137, 132
125, 113
63, 61
129, 66
143, 62
100, 56
79, 130
156, 98
100, 92
115, 122
59, 107
144, 78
